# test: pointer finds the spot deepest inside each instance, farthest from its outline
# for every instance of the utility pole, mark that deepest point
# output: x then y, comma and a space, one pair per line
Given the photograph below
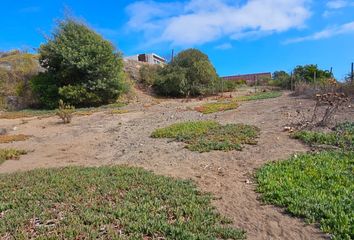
352, 74
173, 55
255, 83
292, 81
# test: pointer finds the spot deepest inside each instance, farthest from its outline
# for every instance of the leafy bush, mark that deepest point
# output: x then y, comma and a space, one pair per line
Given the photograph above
149, 74
281, 79
229, 86
318, 187
204, 136
190, 74
46, 90
65, 112
107, 203
10, 154
83, 69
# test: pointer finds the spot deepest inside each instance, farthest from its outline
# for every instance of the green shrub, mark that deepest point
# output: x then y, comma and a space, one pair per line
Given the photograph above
205, 136
318, 187
149, 74
190, 74
65, 112
81, 66
229, 86
46, 90
107, 203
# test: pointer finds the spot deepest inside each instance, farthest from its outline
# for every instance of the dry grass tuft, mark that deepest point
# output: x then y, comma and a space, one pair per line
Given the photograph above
118, 111
13, 138
10, 154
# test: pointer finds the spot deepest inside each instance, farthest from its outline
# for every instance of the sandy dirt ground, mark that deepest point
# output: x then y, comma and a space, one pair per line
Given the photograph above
106, 139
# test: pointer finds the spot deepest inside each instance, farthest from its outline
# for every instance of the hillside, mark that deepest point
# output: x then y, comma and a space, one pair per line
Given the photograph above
16, 69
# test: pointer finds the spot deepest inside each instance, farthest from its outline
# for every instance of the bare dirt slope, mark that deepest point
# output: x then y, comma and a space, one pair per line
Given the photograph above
104, 139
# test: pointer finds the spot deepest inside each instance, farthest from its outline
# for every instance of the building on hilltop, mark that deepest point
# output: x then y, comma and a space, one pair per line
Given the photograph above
249, 78
151, 58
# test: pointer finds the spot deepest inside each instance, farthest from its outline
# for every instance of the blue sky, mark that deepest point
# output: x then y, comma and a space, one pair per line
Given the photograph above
239, 36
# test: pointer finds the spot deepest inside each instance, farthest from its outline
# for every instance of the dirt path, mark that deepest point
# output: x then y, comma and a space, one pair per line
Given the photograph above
103, 139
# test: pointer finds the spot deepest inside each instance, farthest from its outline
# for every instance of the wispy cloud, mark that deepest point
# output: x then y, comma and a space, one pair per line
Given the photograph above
195, 22
337, 4
224, 46
346, 28
334, 7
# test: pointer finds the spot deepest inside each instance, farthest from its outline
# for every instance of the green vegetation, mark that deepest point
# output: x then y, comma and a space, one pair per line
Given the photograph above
224, 105
65, 112
83, 69
106, 203
10, 154
258, 96
304, 74
318, 187
190, 74
149, 74
342, 137
205, 136
16, 70
28, 113
217, 107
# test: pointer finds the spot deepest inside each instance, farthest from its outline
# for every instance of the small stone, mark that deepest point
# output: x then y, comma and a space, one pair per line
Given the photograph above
3, 131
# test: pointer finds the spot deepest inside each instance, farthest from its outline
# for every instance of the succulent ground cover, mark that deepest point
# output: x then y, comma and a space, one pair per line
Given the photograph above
205, 136
106, 203
316, 186
225, 105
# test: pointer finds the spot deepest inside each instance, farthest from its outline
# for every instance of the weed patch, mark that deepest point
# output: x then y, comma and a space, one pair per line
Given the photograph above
224, 105
13, 138
205, 136
10, 154
107, 203
318, 187
118, 111
217, 107
258, 96
26, 114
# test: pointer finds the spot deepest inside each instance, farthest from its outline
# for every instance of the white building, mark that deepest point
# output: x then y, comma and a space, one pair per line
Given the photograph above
151, 58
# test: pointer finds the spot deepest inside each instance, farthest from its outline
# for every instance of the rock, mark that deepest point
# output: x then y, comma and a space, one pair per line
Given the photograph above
3, 131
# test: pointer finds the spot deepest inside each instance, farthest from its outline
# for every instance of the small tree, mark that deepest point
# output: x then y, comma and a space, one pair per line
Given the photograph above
190, 74
281, 79
307, 73
82, 68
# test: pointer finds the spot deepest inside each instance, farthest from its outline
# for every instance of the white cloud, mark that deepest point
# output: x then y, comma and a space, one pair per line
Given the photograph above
224, 46
346, 28
196, 22
337, 4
